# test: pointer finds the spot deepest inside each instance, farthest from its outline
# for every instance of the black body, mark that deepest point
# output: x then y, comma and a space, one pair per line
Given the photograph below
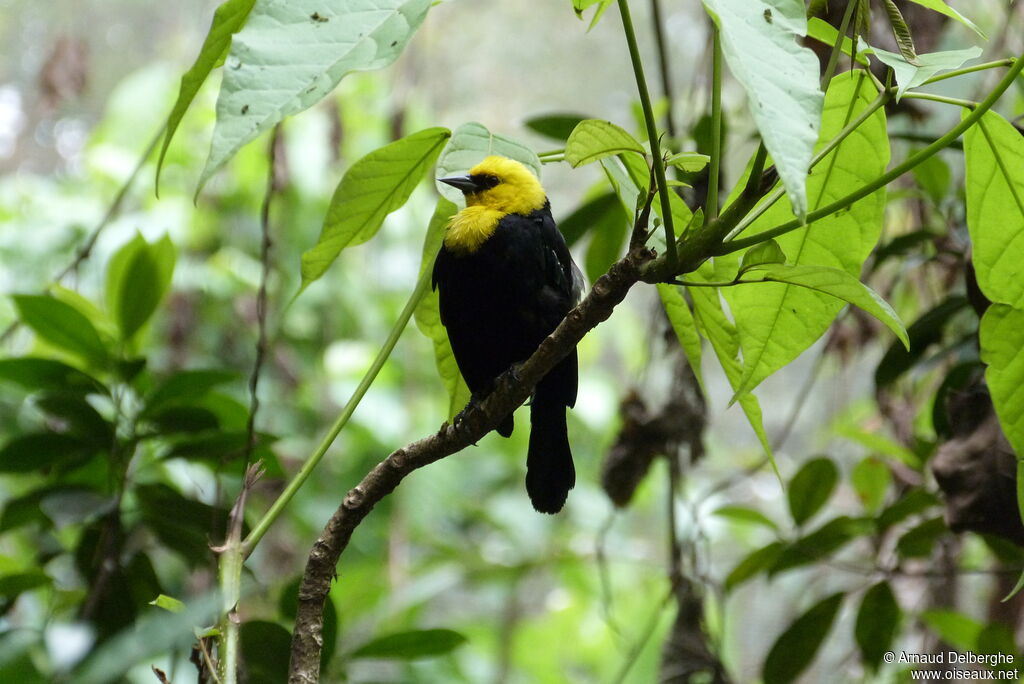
497, 304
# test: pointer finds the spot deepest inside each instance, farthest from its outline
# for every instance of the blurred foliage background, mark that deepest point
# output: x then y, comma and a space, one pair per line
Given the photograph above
584, 596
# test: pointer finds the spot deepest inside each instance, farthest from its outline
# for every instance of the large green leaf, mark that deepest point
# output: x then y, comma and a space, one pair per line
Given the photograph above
371, 189
138, 276
291, 54
994, 158
61, 325
594, 139
762, 43
877, 623
753, 563
796, 647
724, 339
911, 75
428, 315
227, 20
470, 143
1002, 350
831, 281
34, 374
778, 321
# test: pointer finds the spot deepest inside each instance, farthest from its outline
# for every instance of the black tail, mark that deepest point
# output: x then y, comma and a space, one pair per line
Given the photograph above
549, 470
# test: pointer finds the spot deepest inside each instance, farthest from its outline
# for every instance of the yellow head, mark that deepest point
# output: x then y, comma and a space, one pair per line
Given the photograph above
500, 183
494, 188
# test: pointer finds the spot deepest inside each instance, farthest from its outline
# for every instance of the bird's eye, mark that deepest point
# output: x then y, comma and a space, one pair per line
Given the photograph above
491, 180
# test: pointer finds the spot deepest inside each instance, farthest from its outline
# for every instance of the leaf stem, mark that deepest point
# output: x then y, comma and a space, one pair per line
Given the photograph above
1006, 62
711, 203
967, 104
311, 463
886, 178
652, 131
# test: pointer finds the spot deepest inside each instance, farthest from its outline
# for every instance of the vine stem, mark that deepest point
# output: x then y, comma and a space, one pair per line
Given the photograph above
282, 501
652, 131
837, 47
711, 203
261, 297
888, 177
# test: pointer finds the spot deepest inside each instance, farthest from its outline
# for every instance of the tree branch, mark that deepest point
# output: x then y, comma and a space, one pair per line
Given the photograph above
475, 422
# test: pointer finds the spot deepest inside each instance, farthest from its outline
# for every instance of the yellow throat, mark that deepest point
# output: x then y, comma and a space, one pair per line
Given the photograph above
515, 190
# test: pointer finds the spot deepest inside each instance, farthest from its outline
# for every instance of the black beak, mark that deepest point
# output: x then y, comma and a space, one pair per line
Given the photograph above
464, 183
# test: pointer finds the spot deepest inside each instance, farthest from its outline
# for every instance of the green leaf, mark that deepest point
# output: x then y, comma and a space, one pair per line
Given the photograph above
796, 647
183, 525
821, 543
61, 325
428, 315
690, 162
942, 8
138, 276
594, 139
871, 479
291, 54
1002, 350
811, 487
922, 333
602, 6
47, 374
266, 647
913, 502
606, 246
835, 282
11, 586
878, 621
901, 32
919, 541
555, 126
911, 75
994, 159
778, 321
470, 143
168, 603
372, 188
956, 629
724, 338
781, 79
41, 451
77, 417
185, 387
603, 212
934, 177
227, 20
412, 645
755, 562
743, 514
762, 254
683, 325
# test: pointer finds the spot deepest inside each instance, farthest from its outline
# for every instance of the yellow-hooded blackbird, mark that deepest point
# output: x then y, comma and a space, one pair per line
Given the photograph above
505, 281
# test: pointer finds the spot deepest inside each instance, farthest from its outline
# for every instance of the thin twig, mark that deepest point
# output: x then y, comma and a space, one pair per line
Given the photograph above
261, 297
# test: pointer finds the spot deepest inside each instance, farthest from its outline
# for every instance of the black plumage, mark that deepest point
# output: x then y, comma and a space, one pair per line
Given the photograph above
498, 303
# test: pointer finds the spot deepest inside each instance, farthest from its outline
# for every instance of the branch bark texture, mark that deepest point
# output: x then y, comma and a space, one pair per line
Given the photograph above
307, 640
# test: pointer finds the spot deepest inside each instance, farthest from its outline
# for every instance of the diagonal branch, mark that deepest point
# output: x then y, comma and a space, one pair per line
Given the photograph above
476, 421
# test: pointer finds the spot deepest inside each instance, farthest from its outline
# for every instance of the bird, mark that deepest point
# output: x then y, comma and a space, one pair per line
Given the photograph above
505, 279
